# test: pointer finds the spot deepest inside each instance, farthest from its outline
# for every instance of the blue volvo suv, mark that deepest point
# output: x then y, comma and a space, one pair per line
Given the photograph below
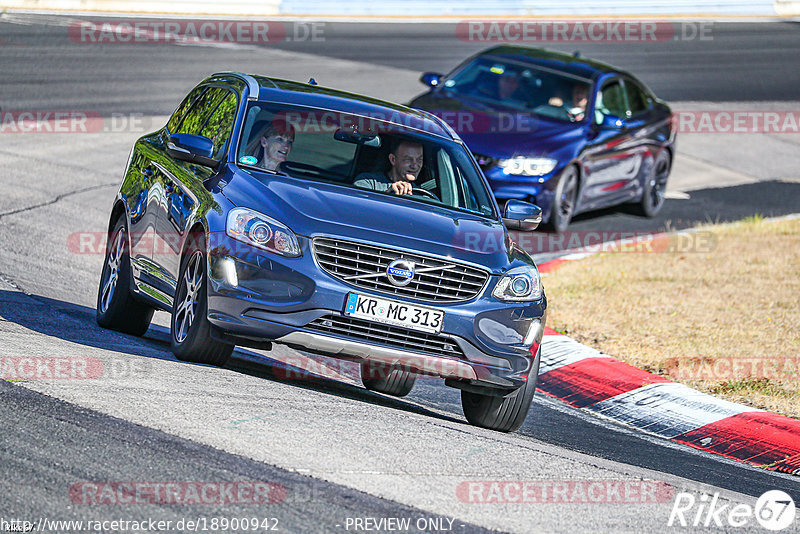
268, 211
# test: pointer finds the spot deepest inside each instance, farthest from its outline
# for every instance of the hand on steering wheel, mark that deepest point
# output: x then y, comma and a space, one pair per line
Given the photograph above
400, 188
424, 193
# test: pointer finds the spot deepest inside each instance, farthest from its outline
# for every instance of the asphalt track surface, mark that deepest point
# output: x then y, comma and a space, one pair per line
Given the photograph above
355, 453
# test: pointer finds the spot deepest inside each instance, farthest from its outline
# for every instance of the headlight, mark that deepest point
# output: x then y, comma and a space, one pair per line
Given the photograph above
261, 231
519, 284
528, 166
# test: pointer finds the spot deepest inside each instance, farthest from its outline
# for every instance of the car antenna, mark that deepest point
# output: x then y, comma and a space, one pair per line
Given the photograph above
312, 81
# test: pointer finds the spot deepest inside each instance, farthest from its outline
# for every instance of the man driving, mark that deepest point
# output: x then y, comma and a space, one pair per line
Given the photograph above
405, 164
580, 99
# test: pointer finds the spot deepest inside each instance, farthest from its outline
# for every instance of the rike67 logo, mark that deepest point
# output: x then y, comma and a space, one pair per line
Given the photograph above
774, 510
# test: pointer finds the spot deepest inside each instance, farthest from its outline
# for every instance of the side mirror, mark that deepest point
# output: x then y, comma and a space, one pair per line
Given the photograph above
524, 216
192, 148
612, 122
431, 79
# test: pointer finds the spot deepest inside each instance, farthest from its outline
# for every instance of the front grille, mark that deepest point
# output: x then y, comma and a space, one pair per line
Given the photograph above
485, 162
441, 281
395, 337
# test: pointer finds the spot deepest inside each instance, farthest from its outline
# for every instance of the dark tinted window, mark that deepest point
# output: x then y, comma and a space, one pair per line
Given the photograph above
219, 124
201, 110
318, 145
637, 98
524, 87
176, 117
611, 101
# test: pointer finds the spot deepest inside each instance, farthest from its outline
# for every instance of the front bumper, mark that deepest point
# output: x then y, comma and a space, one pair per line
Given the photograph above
534, 189
257, 296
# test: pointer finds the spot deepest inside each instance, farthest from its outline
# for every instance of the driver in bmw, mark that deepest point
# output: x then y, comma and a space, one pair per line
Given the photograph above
405, 164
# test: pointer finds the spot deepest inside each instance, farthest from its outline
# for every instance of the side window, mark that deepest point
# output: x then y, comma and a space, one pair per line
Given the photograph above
219, 124
202, 109
637, 98
176, 117
611, 101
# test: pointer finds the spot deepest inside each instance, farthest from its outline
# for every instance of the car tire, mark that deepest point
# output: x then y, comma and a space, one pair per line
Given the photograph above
655, 186
565, 199
387, 379
117, 307
190, 330
504, 414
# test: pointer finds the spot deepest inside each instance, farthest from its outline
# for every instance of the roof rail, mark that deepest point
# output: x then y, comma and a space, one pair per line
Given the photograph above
252, 84
441, 122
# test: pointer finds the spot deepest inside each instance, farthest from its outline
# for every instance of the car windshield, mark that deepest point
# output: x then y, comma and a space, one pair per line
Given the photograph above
536, 90
362, 153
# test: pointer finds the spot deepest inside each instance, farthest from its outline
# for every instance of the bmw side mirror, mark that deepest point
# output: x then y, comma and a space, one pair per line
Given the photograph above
612, 122
192, 148
524, 216
431, 79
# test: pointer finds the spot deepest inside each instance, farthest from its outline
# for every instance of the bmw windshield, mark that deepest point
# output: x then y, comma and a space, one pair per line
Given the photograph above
522, 87
361, 152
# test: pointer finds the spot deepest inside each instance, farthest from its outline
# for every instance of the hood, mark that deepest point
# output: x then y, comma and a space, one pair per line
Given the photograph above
313, 208
499, 131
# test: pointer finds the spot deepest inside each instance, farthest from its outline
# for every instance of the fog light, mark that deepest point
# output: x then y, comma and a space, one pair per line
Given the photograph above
228, 267
535, 332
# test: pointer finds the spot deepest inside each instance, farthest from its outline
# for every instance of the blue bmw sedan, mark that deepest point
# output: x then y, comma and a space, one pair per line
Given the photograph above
569, 134
269, 211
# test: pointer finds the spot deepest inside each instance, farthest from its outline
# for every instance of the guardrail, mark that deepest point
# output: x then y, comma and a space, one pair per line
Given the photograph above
536, 8
421, 8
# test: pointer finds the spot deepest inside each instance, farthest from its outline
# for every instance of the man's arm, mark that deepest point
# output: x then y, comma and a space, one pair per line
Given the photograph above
374, 181
382, 183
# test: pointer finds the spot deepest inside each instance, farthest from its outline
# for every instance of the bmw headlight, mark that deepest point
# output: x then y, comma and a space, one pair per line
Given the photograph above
519, 284
261, 231
528, 166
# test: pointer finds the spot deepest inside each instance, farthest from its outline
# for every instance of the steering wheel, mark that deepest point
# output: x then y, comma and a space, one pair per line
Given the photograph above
571, 111
424, 193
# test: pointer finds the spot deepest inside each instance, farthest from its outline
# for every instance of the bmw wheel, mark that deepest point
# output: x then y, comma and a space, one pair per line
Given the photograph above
190, 331
655, 186
564, 200
117, 308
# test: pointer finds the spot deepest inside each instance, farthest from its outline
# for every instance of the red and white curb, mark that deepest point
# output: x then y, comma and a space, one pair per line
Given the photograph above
590, 380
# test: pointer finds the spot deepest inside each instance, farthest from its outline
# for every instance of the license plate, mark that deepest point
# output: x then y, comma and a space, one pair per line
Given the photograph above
394, 313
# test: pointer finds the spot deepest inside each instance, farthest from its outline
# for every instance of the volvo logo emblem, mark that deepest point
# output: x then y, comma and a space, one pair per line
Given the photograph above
400, 272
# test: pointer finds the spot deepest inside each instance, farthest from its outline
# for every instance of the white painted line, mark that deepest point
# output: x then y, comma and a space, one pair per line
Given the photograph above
677, 195
558, 351
667, 409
